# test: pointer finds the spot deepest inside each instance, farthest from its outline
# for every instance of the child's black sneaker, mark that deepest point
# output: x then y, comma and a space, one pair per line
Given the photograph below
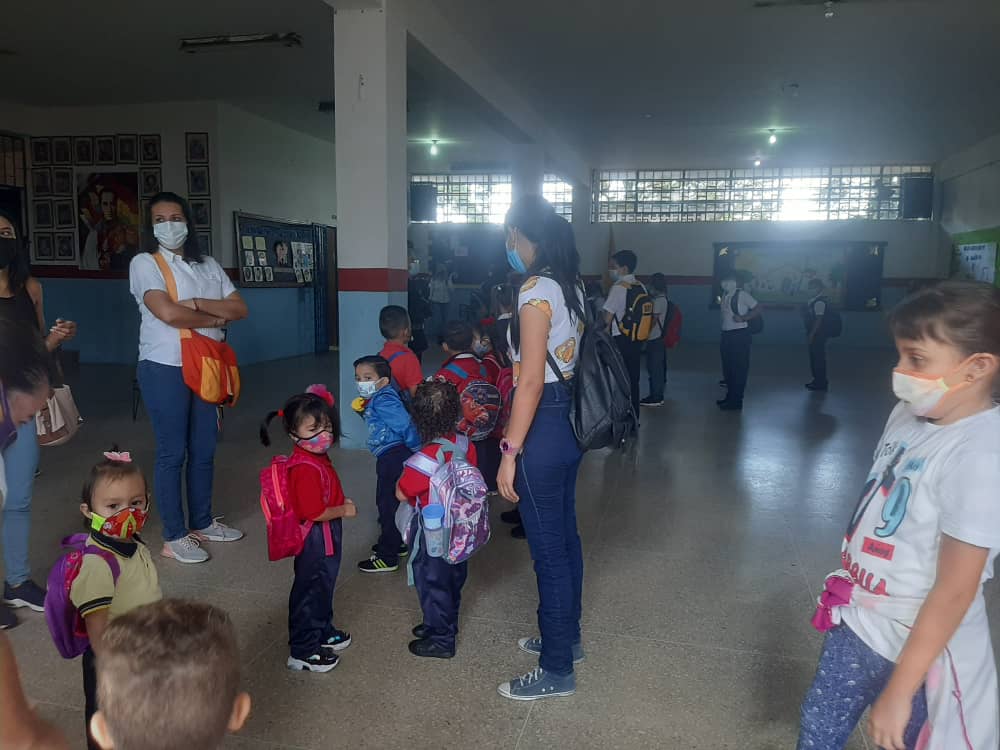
427, 648
324, 661
376, 564
339, 641
403, 550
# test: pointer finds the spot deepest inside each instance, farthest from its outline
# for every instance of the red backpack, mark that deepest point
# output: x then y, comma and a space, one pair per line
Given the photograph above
672, 326
286, 535
481, 401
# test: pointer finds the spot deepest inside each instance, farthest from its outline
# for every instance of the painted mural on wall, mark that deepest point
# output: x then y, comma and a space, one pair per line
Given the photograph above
109, 219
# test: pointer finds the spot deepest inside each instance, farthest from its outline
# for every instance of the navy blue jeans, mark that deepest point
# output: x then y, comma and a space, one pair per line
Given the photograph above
439, 588
186, 429
388, 468
735, 349
850, 677
656, 366
546, 483
310, 605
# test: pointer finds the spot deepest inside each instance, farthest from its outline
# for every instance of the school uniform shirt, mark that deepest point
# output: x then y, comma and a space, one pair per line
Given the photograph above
744, 303
928, 480
617, 300
417, 486
565, 329
159, 342
470, 365
659, 316
95, 590
308, 499
817, 306
405, 368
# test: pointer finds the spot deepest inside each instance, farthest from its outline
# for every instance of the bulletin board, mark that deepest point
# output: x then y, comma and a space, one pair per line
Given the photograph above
274, 252
977, 255
778, 273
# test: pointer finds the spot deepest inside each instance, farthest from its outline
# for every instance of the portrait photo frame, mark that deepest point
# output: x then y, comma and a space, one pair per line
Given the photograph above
149, 149
62, 181
65, 215
199, 182
205, 242
65, 247
128, 148
41, 215
196, 148
83, 151
41, 182
41, 152
43, 247
150, 181
62, 150
201, 211
104, 150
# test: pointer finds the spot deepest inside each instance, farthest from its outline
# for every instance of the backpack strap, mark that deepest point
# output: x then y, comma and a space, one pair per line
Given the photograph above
423, 463
394, 356
453, 368
168, 275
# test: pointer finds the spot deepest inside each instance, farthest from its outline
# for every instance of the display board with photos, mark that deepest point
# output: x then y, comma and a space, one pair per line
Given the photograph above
274, 252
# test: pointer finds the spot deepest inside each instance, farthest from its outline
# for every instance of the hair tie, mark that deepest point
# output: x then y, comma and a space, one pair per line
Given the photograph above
118, 457
318, 389
281, 413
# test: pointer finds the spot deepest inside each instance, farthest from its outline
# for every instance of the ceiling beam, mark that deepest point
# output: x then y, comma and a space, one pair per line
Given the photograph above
355, 4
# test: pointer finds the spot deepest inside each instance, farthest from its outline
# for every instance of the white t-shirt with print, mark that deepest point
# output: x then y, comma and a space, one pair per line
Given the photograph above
565, 329
744, 303
159, 342
929, 480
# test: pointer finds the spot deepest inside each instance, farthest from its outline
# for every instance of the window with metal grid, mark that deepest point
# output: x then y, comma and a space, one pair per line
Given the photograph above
470, 198
761, 194
559, 193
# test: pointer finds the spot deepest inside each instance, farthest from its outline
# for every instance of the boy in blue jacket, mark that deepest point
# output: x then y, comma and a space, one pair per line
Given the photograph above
392, 438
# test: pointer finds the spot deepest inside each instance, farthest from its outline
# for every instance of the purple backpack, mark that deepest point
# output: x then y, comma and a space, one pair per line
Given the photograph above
460, 488
65, 623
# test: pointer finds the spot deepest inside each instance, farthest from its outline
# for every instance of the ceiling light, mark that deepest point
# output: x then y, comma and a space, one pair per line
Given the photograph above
829, 12
234, 41
434, 148
756, 162
773, 138
647, 115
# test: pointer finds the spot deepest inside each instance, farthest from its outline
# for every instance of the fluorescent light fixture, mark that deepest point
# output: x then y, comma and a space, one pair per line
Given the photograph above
434, 148
234, 41
773, 138
756, 162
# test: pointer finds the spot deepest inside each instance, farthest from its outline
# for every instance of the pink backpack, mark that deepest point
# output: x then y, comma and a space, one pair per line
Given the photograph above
286, 535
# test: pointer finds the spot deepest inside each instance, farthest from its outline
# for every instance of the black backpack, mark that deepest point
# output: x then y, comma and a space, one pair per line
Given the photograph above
601, 412
833, 323
754, 325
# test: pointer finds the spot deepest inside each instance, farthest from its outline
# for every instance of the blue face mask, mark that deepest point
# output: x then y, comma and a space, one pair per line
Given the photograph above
368, 388
515, 261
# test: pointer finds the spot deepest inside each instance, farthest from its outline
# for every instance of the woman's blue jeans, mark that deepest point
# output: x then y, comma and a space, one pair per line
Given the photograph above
20, 463
546, 484
186, 428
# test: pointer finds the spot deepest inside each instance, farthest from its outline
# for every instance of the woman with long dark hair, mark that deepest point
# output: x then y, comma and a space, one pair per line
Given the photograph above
186, 427
21, 305
540, 454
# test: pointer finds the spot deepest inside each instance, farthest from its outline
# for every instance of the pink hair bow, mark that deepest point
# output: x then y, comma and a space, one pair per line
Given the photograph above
318, 389
122, 457
836, 594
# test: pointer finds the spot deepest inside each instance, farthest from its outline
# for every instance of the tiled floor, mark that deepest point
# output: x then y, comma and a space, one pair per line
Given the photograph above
705, 545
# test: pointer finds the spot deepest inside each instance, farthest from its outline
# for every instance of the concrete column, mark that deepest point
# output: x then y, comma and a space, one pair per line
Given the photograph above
527, 171
370, 91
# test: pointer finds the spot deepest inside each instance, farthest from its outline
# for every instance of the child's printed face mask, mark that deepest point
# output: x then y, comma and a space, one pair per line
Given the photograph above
123, 525
318, 443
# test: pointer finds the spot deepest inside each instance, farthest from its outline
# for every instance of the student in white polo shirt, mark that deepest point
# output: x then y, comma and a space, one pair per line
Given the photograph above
738, 307
186, 428
622, 267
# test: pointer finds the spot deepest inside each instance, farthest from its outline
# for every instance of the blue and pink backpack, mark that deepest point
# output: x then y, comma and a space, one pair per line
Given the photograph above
66, 626
460, 488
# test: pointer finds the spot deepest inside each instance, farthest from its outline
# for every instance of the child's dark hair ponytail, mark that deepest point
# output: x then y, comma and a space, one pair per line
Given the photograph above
317, 402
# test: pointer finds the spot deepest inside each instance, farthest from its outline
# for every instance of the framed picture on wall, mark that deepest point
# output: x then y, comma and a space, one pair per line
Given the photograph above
43, 247
202, 212
62, 181
258, 274
104, 150
198, 182
128, 149
41, 213
149, 148
268, 274
299, 276
151, 180
65, 215
249, 258
83, 151
41, 152
62, 150
66, 246
196, 148
41, 182
247, 274
205, 242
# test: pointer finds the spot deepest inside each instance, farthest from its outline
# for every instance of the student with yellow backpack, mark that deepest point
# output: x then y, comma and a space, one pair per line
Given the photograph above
628, 313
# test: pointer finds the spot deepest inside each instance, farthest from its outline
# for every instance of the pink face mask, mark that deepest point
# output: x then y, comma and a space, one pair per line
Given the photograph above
319, 443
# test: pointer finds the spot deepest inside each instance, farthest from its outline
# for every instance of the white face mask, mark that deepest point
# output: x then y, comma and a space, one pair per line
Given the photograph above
923, 395
171, 234
728, 286
368, 388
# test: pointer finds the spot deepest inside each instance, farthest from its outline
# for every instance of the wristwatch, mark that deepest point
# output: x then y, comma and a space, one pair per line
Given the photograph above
509, 449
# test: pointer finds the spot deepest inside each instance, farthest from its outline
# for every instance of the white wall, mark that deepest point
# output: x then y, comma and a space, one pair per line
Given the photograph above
970, 188
267, 169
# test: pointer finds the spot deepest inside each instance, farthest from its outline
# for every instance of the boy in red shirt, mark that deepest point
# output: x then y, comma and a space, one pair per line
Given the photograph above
462, 364
436, 409
394, 323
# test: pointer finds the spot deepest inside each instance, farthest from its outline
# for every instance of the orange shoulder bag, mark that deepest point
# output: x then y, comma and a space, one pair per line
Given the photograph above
209, 366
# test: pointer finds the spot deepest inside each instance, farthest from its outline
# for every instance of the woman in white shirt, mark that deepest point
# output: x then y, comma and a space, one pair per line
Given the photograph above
541, 456
441, 286
186, 427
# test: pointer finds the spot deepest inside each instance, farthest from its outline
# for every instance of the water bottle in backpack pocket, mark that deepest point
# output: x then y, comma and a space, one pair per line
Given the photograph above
435, 533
